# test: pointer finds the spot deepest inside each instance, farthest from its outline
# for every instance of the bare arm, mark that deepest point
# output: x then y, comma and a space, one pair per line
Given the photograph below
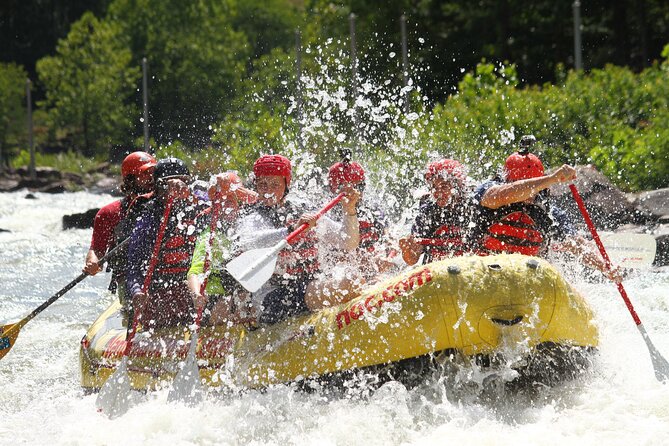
518, 191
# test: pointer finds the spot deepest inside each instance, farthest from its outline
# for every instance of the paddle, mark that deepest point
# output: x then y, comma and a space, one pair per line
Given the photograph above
187, 386
9, 332
114, 395
254, 267
660, 364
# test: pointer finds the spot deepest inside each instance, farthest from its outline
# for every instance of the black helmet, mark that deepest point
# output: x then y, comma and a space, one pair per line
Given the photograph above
170, 167
526, 143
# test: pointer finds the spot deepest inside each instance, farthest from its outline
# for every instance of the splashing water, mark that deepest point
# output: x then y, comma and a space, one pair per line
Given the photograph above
618, 402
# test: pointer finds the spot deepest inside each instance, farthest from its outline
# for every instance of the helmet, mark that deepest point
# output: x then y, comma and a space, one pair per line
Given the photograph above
229, 184
445, 168
170, 167
137, 163
345, 172
521, 167
526, 143
273, 165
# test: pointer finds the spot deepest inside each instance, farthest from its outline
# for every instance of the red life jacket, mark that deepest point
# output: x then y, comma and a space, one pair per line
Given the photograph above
442, 230
448, 241
518, 228
176, 250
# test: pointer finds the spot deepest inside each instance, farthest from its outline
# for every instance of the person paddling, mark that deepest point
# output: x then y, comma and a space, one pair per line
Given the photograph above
441, 227
137, 175
223, 300
168, 301
271, 219
516, 215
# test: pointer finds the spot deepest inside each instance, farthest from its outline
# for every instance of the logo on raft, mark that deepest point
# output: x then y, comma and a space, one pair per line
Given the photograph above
163, 348
355, 312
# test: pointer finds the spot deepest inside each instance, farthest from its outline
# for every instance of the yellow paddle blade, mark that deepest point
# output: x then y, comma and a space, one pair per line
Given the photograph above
8, 335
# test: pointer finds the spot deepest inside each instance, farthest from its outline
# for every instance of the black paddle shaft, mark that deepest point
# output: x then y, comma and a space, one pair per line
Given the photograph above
72, 284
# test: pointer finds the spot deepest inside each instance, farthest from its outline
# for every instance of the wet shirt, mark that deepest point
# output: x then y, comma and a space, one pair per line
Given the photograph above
105, 221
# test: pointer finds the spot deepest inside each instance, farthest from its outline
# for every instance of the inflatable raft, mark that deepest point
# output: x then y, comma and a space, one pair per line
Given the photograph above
480, 310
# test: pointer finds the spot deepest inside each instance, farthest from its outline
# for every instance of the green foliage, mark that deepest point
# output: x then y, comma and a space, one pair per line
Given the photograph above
88, 82
196, 61
12, 106
613, 118
69, 161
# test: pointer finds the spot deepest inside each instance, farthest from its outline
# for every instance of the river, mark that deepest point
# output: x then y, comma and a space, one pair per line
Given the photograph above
618, 403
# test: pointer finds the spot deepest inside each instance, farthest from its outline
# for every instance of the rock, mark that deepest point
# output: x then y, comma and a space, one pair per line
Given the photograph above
655, 201
47, 173
30, 197
73, 178
4, 230
8, 184
55, 188
80, 221
106, 185
608, 206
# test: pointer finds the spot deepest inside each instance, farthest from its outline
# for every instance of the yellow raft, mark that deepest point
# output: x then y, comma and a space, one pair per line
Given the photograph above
479, 309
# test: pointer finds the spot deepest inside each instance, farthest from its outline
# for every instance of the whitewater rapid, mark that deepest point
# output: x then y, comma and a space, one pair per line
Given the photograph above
618, 403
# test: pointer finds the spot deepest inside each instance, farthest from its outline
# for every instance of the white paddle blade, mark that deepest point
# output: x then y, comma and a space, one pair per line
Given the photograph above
630, 250
254, 267
660, 365
114, 397
187, 385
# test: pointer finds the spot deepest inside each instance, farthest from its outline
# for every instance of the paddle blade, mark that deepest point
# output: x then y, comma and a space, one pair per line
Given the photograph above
187, 386
8, 335
630, 250
660, 365
253, 268
114, 397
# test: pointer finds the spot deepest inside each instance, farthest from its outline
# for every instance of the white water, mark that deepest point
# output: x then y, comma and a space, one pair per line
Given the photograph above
619, 403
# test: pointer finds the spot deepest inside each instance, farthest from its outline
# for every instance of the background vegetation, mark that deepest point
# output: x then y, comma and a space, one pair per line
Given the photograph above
223, 89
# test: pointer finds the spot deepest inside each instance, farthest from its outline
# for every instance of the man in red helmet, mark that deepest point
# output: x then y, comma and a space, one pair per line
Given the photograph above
345, 273
272, 218
440, 229
137, 175
516, 216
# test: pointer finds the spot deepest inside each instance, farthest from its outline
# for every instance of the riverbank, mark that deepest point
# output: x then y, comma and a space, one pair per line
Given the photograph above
99, 180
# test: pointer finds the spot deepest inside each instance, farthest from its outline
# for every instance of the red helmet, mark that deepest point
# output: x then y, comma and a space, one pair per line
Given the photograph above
278, 165
345, 172
445, 168
137, 163
521, 167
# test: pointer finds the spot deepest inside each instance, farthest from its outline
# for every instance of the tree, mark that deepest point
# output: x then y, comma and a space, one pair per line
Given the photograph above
196, 62
12, 109
88, 83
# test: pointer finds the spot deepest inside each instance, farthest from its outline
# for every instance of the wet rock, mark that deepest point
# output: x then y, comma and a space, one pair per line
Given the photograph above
56, 188
45, 173
9, 184
4, 230
82, 220
608, 206
106, 185
30, 197
655, 202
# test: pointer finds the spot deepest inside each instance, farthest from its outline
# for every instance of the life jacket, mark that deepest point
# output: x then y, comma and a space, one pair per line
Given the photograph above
371, 228
300, 262
176, 249
130, 210
443, 230
517, 228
